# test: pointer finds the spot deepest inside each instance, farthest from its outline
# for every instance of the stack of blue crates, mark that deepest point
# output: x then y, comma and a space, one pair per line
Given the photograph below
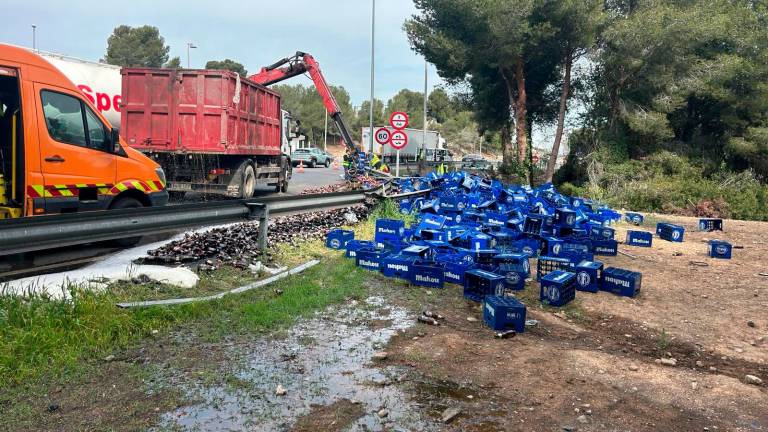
504, 313
515, 268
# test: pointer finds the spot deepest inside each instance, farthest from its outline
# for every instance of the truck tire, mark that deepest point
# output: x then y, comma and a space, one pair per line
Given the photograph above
327, 163
312, 163
125, 203
248, 186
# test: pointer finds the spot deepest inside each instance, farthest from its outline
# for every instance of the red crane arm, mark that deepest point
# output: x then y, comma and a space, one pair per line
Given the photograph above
299, 64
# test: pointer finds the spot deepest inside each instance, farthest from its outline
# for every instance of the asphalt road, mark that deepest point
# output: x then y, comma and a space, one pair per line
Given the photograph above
310, 178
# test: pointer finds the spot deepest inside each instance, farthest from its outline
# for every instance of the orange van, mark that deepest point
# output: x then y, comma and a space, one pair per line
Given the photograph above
58, 154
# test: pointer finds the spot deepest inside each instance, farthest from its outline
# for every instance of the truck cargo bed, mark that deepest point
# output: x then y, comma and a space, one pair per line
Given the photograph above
199, 111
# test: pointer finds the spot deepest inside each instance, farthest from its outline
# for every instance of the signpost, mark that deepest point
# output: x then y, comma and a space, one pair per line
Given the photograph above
398, 139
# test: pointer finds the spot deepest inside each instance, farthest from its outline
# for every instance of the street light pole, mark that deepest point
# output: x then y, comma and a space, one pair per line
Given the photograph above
424, 134
190, 45
373, 39
34, 38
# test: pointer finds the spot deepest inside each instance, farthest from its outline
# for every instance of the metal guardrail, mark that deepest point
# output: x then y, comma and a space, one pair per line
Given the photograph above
55, 231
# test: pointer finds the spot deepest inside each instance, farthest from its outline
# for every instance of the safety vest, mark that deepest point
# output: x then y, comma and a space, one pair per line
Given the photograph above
378, 164
441, 169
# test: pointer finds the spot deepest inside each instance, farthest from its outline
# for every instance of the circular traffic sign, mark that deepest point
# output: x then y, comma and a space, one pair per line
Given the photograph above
398, 120
382, 135
398, 140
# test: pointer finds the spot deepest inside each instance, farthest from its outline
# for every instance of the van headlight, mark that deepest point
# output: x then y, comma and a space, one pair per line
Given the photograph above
161, 175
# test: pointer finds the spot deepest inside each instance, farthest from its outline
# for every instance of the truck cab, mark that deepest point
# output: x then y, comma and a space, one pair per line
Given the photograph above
58, 154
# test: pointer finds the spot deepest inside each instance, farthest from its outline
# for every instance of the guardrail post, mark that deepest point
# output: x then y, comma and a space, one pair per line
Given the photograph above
263, 230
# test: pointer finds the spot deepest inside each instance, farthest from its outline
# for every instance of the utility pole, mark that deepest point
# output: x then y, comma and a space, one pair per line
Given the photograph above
190, 45
424, 133
34, 38
373, 40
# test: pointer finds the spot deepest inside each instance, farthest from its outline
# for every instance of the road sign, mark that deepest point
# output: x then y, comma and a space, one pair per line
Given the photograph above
398, 120
398, 140
382, 135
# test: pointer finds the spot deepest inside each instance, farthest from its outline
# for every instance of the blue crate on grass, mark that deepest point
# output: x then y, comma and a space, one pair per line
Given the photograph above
621, 282
720, 249
389, 230
338, 238
428, 274
549, 264
605, 247
370, 259
353, 246
710, 224
480, 283
504, 313
514, 267
455, 270
639, 238
398, 266
588, 275
670, 232
558, 288
634, 218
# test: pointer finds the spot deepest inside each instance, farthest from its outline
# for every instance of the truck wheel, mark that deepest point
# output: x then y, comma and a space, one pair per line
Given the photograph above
248, 186
126, 203
327, 163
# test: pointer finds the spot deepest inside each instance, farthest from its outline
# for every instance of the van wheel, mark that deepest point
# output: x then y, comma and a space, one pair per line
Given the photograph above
249, 182
126, 203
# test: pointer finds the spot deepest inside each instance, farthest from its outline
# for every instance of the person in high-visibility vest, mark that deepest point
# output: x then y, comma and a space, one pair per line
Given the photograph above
378, 164
440, 169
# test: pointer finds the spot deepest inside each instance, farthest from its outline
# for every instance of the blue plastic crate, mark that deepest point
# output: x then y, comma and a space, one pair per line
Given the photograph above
514, 267
495, 219
558, 288
480, 283
710, 224
547, 264
353, 246
370, 259
605, 247
639, 238
428, 274
389, 230
634, 218
430, 221
398, 266
504, 313
670, 232
527, 246
601, 233
417, 251
720, 249
430, 234
588, 275
455, 270
504, 238
565, 217
338, 238
621, 282
455, 203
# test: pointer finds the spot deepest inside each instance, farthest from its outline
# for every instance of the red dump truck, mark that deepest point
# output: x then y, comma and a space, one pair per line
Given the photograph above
211, 130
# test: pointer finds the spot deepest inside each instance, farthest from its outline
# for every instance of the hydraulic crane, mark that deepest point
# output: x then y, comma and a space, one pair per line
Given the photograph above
299, 64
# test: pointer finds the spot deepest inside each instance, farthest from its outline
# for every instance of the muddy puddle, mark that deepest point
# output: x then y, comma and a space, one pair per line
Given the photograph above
321, 361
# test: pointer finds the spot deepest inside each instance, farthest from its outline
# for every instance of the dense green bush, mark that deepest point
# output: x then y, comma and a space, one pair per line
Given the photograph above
669, 183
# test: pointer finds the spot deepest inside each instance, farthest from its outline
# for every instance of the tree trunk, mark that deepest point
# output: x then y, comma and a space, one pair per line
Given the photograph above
520, 111
560, 118
506, 146
529, 150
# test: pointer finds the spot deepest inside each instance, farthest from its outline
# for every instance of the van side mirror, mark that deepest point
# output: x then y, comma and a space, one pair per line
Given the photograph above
114, 140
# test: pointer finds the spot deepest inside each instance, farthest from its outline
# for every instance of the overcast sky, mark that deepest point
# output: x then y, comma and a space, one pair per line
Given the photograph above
255, 33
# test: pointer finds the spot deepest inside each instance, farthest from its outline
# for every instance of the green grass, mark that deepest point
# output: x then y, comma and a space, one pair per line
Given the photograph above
41, 336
